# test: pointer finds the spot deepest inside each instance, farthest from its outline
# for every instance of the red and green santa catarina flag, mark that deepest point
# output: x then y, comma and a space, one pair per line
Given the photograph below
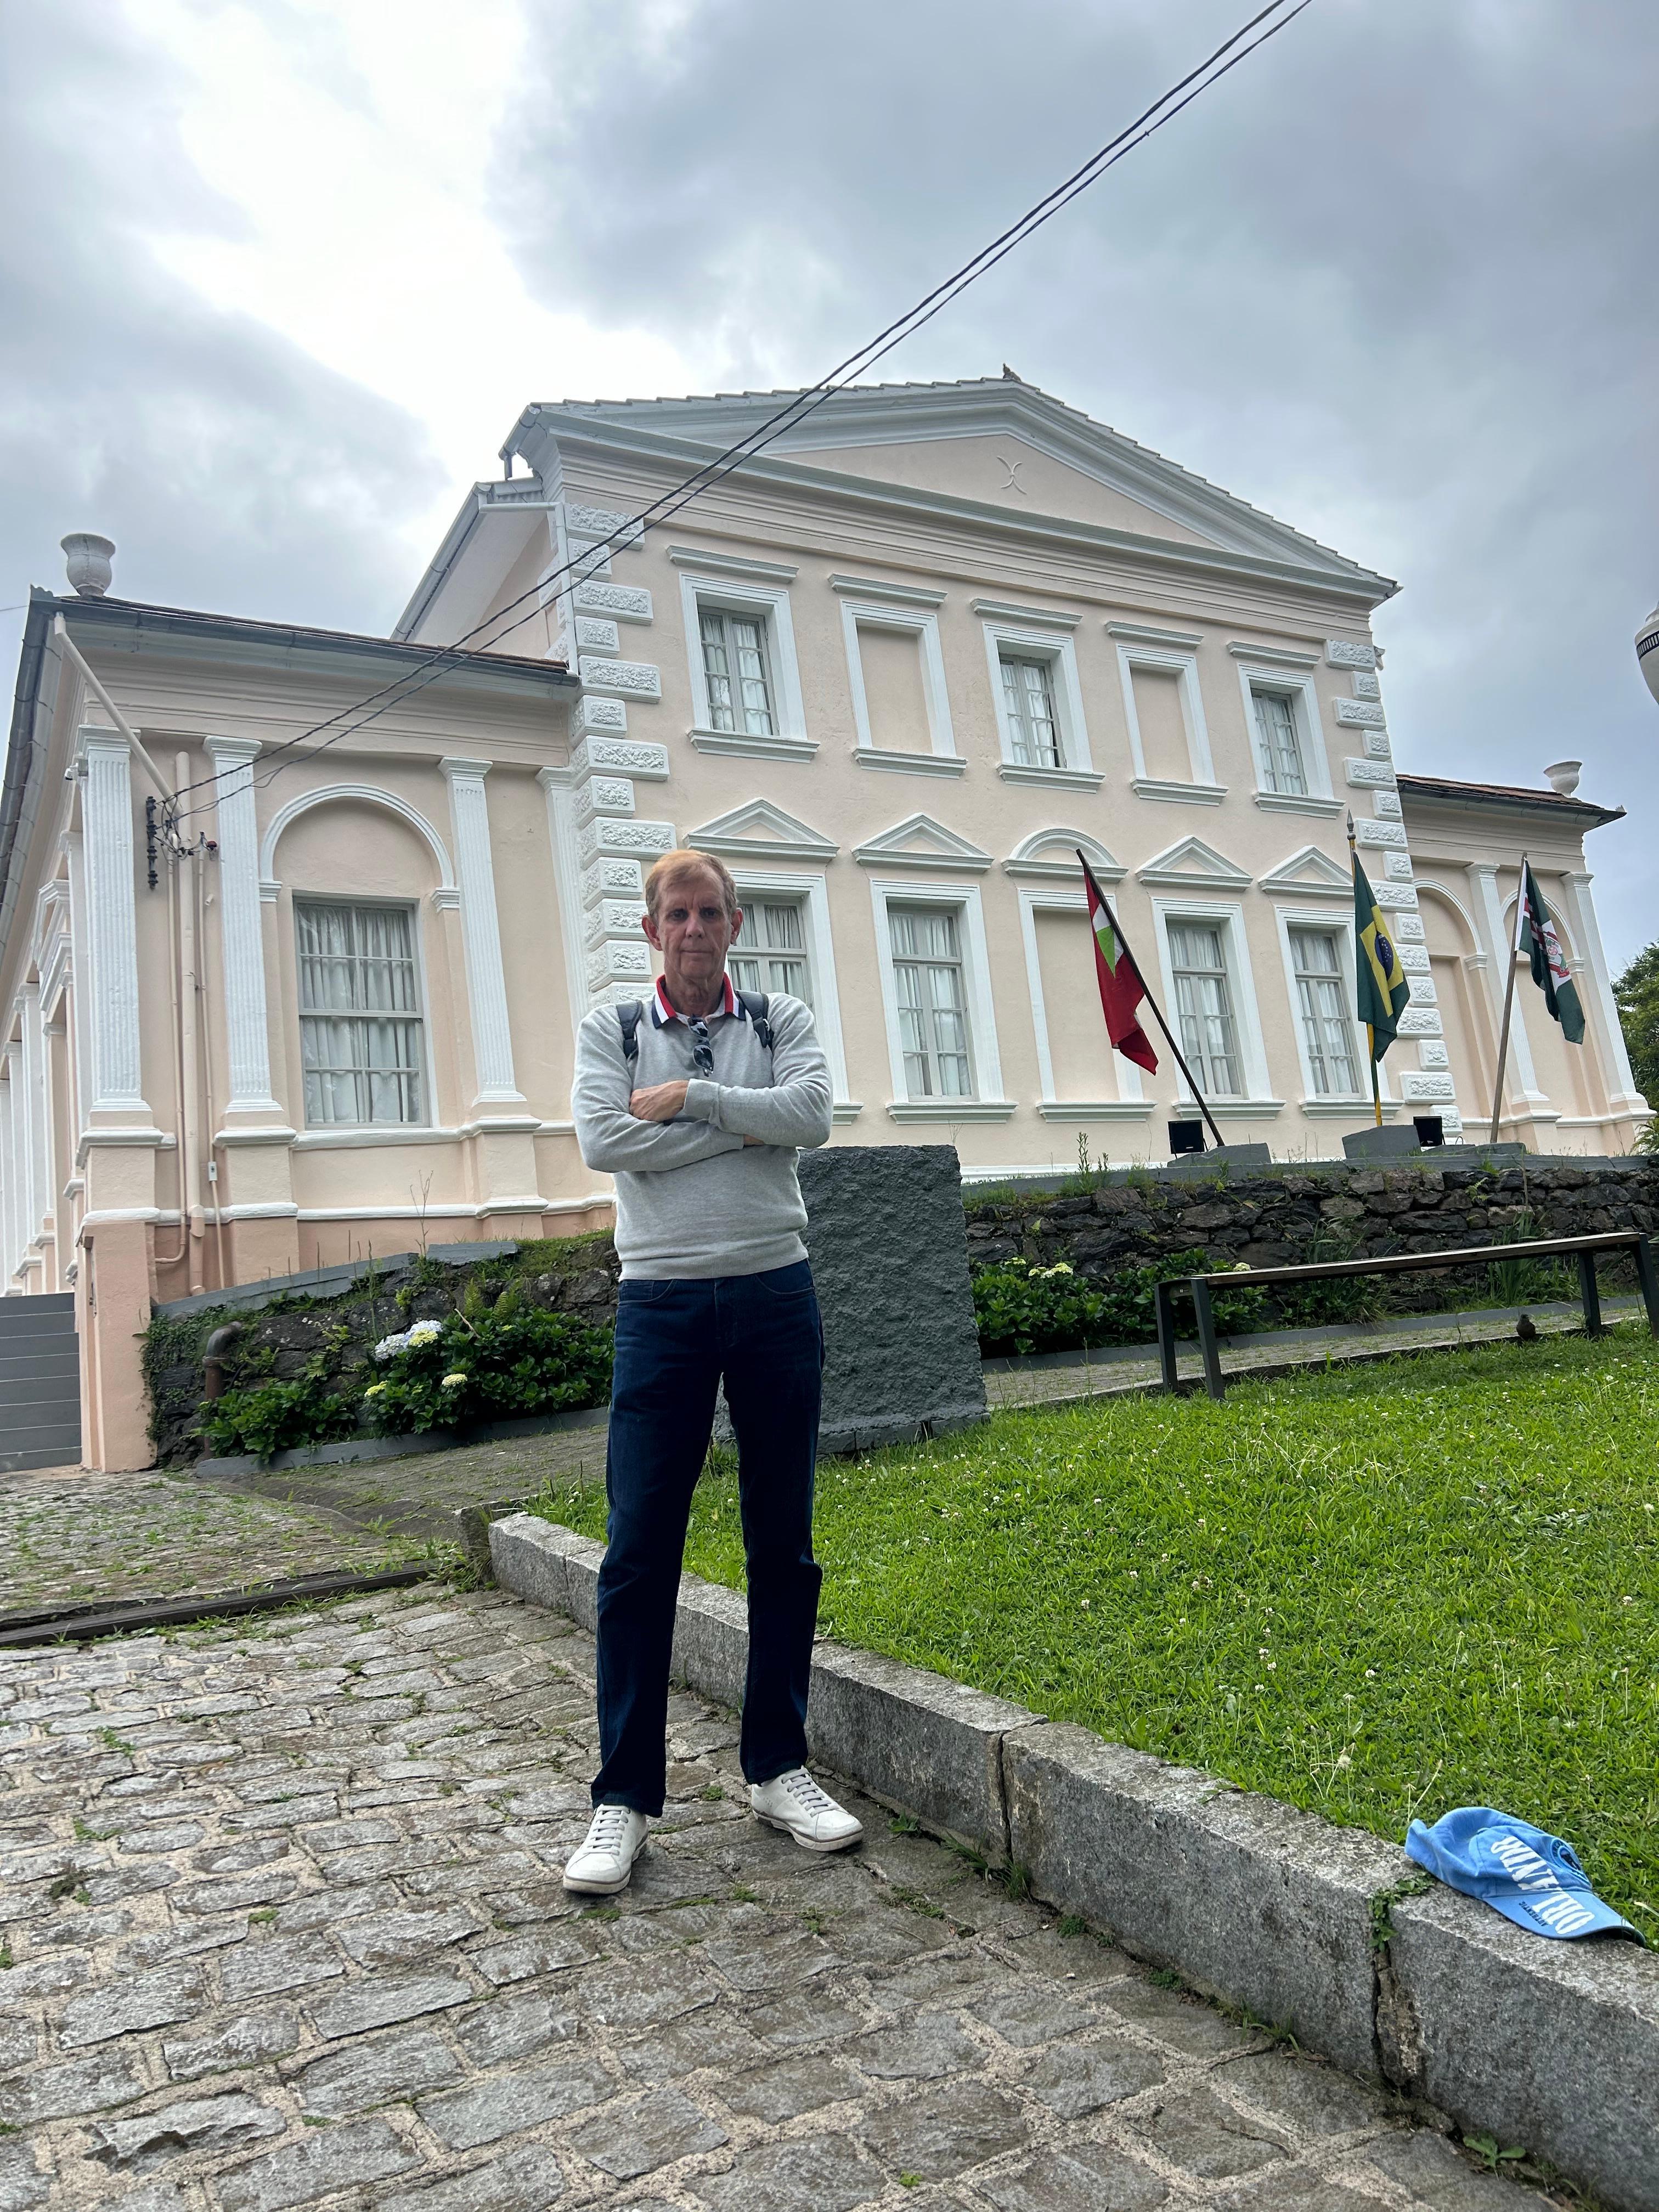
1550, 971
1121, 987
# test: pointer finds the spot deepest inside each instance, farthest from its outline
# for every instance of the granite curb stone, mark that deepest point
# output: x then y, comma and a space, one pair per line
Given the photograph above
1302, 1922
1537, 2042
1248, 1898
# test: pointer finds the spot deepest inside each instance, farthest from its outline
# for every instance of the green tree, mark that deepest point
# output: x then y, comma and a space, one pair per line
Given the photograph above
1637, 995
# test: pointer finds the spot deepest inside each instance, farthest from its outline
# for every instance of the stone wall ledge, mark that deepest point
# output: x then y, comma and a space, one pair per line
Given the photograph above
355, 1449
1552, 2045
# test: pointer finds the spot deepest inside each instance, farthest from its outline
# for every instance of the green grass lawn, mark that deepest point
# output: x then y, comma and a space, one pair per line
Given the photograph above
1375, 1591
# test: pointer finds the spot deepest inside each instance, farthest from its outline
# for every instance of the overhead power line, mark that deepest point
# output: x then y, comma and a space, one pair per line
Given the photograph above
1267, 22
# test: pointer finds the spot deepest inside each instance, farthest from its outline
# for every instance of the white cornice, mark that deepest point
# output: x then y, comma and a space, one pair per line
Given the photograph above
867, 588
1178, 641
1005, 611
730, 564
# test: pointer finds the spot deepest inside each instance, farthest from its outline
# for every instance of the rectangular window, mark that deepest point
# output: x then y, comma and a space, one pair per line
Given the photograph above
1279, 744
771, 954
1322, 989
1203, 1007
932, 1001
360, 1014
739, 676
1028, 698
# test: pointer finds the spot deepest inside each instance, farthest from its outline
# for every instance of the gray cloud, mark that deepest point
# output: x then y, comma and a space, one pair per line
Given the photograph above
234, 473
1393, 282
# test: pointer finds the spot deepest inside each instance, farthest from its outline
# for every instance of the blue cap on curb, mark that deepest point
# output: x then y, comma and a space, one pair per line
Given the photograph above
1531, 1878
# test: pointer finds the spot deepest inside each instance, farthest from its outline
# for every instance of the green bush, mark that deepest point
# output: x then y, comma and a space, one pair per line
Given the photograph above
490, 1365
1020, 1309
277, 1416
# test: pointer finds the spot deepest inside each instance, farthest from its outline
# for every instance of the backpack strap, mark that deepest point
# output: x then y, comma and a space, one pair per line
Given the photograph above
754, 1004
630, 1015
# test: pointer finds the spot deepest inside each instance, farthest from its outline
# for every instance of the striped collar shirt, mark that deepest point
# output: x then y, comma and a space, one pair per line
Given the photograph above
664, 1011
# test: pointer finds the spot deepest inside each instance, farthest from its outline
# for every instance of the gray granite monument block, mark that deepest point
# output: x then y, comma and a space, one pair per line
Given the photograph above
890, 1256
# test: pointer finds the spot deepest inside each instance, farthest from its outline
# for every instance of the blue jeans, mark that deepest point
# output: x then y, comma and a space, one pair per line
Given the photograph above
675, 1342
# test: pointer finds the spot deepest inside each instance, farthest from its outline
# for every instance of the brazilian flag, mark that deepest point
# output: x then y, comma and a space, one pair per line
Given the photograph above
1384, 991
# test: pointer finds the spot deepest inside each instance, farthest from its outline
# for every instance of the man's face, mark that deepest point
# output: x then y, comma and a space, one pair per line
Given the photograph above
691, 928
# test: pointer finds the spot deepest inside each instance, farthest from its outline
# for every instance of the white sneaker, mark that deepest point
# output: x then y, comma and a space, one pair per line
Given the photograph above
795, 1803
605, 1864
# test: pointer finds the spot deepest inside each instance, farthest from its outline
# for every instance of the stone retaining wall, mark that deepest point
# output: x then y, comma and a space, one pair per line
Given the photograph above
1272, 1218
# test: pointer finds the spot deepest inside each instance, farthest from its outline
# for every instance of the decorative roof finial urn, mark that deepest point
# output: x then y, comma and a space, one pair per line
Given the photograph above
91, 563
1647, 651
1563, 777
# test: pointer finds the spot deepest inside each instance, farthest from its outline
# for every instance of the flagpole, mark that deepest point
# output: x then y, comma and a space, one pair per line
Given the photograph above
1371, 1027
1509, 1003
1151, 1000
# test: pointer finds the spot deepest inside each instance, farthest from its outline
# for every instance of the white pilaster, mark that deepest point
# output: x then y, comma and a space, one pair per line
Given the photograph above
242, 931
1499, 944
1589, 933
486, 978
37, 1094
8, 1205
80, 1036
112, 924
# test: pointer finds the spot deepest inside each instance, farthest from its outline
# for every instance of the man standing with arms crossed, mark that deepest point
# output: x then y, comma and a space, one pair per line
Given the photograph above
697, 1109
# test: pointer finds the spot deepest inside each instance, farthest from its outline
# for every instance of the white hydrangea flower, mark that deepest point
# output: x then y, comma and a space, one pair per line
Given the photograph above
451, 1381
390, 1346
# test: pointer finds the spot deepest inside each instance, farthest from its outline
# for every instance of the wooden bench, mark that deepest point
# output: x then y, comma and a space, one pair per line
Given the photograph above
1583, 1248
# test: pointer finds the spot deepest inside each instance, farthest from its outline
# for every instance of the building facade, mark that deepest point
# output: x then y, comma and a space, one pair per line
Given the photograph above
896, 672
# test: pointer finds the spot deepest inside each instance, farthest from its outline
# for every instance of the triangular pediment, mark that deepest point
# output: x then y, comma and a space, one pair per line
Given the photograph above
1193, 866
1311, 874
761, 832
1050, 856
994, 443
921, 843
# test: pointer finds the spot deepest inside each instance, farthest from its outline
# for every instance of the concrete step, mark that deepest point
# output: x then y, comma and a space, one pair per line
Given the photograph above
58, 1395
23, 1317
28, 1355
59, 1434
14, 1463
55, 1302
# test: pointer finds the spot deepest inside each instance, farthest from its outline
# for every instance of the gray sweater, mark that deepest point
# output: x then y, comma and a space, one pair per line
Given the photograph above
692, 1199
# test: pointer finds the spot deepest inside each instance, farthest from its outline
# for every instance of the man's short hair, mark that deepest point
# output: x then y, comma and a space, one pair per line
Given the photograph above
681, 861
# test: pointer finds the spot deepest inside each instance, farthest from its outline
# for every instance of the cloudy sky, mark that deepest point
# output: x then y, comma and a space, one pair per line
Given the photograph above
277, 275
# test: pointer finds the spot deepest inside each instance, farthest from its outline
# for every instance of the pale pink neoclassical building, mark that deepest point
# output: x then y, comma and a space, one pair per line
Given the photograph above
894, 671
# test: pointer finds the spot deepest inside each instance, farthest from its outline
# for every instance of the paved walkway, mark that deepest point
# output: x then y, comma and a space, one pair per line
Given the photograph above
283, 1927
1075, 1376
71, 1537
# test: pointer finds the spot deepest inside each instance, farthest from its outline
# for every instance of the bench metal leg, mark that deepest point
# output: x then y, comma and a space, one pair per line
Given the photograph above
1163, 1302
1214, 1382
1649, 1279
1589, 1292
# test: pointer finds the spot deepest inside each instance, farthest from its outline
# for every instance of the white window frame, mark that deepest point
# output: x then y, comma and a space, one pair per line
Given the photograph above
1203, 790
1258, 1103
770, 602
1340, 927
922, 624
989, 1105
1300, 689
1131, 1104
1060, 654
811, 893
389, 1132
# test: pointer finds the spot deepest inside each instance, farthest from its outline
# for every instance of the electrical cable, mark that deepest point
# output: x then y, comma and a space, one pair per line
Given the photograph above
797, 408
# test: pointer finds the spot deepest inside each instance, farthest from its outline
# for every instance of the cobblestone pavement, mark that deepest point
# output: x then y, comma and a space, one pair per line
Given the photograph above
283, 1927
69, 1535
